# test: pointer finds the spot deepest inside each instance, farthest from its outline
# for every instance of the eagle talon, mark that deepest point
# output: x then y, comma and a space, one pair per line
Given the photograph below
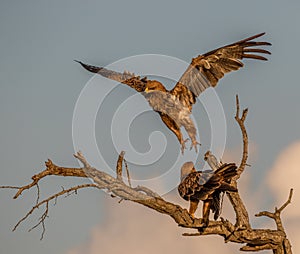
194, 144
183, 146
203, 226
205, 223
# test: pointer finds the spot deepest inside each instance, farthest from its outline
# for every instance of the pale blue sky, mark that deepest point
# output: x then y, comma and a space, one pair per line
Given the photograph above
40, 84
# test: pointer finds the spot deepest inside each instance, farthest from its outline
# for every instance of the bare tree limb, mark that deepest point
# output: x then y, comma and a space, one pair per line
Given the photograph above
286, 203
119, 166
46, 202
242, 217
241, 232
241, 122
127, 173
276, 215
148, 198
51, 169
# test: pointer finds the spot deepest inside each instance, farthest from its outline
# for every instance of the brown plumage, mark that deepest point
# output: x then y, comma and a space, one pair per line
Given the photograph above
206, 186
203, 72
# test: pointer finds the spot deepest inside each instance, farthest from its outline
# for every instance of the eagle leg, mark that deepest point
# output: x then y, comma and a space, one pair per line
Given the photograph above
193, 207
172, 125
182, 142
205, 212
194, 144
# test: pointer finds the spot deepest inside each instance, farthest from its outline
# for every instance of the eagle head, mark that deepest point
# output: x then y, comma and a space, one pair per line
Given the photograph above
153, 85
186, 169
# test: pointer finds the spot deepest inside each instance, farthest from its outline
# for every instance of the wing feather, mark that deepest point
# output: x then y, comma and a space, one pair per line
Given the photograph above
206, 70
127, 78
201, 185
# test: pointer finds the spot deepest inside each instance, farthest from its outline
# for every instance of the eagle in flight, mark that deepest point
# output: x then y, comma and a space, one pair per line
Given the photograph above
174, 106
207, 186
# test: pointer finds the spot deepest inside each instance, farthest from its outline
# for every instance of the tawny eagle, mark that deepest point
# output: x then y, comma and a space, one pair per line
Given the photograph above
175, 105
206, 186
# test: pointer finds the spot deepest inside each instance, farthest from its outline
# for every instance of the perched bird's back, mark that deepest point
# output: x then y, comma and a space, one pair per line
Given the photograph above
202, 184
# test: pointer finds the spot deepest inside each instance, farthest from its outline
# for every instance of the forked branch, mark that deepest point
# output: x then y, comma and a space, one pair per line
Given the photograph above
241, 122
277, 213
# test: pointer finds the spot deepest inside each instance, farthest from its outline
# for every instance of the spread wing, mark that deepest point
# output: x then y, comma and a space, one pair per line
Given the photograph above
206, 70
127, 78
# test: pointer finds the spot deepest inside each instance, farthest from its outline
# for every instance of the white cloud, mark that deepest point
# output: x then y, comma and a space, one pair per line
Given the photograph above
285, 174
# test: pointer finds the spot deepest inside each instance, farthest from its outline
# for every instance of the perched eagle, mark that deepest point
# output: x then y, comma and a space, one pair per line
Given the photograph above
175, 105
206, 186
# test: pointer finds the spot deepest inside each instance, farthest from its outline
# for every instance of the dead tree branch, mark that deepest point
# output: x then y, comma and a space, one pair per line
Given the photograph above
46, 203
276, 216
119, 166
51, 169
239, 232
241, 122
277, 213
242, 217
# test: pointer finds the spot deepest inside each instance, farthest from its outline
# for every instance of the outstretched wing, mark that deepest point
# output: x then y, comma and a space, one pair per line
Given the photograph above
127, 78
206, 70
